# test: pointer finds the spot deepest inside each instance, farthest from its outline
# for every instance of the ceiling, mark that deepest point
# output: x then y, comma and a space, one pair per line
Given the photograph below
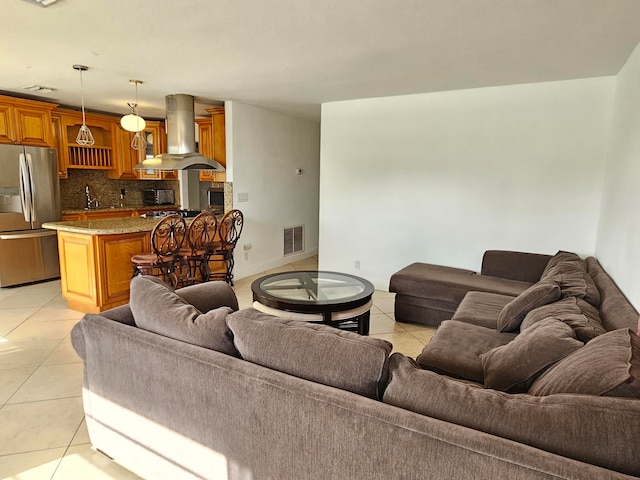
293, 55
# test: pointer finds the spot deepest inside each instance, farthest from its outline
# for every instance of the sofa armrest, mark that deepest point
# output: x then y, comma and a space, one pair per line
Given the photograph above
522, 266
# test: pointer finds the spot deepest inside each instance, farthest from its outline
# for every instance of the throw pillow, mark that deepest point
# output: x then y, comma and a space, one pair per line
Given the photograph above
157, 308
315, 352
560, 257
513, 313
574, 280
548, 423
608, 365
513, 367
583, 317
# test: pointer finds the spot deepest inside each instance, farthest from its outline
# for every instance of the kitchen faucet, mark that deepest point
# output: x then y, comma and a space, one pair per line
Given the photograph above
91, 202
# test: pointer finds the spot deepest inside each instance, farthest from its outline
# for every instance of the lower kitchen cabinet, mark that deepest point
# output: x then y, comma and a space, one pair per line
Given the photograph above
95, 270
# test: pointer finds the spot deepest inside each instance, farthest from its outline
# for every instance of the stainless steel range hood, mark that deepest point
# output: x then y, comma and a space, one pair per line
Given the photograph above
181, 140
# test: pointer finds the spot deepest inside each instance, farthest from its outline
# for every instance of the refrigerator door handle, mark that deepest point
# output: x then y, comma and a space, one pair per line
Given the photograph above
32, 189
33, 234
25, 188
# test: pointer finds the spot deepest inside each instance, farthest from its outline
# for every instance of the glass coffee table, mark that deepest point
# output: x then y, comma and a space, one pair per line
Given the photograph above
337, 299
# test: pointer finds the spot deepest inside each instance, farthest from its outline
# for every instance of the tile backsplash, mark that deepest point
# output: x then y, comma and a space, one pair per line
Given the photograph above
105, 189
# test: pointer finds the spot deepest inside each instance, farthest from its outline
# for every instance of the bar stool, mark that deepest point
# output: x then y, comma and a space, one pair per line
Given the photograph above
194, 258
229, 229
166, 239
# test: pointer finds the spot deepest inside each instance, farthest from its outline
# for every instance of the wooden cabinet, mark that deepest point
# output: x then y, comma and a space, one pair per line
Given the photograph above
113, 213
25, 122
127, 157
212, 142
95, 270
56, 127
156, 137
102, 154
208, 175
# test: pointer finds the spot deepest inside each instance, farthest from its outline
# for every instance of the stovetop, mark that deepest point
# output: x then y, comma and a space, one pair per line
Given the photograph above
160, 214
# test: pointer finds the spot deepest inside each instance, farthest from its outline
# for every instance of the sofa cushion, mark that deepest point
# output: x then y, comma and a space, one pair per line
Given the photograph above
608, 365
456, 347
513, 313
157, 308
607, 428
570, 272
513, 367
481, 308
315, 352
575, 312
561, 256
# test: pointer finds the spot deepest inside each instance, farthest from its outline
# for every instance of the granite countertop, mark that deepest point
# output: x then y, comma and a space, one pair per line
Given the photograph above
105, 226
126, 207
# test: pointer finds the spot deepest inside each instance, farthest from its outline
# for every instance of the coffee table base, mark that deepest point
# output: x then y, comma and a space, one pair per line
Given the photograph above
354, 320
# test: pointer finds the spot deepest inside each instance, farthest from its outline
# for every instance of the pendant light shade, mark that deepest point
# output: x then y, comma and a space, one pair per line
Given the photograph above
133, 122
85, 137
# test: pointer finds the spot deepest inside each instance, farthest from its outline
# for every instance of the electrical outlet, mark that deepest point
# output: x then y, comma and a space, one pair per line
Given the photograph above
357, 264
246, 255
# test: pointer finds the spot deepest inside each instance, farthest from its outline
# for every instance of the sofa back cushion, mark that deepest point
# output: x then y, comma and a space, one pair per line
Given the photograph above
607, 428
315, 352
615, 310
157, 308
608, 365
522, 266
513, 367
513, 313
581, 316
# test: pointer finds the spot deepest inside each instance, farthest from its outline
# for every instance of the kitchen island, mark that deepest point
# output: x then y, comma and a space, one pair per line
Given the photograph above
95, 259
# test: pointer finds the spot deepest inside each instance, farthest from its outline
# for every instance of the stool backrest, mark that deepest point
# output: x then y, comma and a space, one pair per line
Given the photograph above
202, 231
168, 235
230, 229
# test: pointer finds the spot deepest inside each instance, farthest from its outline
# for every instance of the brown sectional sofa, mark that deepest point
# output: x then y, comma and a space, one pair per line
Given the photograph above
183, 385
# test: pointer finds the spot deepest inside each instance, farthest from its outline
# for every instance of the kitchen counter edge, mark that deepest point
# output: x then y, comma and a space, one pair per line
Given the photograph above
104, 226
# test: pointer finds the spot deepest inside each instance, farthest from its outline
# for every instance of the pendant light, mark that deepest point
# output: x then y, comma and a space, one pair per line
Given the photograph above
85, 137
133, 122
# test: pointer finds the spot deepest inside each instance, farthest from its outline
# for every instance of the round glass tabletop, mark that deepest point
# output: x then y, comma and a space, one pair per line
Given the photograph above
313, 289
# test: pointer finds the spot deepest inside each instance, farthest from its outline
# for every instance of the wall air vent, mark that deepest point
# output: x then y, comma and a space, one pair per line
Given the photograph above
293, 240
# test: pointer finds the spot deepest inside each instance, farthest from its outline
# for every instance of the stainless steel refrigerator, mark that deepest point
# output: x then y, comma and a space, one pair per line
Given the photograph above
29, 197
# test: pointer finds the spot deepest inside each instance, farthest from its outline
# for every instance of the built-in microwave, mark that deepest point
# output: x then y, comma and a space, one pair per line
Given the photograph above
157, 196
215, 198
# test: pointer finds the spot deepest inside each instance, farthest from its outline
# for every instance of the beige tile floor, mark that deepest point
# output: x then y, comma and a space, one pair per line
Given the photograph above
42, 429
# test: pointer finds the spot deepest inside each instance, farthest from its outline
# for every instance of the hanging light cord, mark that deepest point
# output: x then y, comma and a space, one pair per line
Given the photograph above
84, 121
85, 137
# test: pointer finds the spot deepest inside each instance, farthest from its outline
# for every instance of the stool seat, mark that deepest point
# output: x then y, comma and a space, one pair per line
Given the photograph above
167, 237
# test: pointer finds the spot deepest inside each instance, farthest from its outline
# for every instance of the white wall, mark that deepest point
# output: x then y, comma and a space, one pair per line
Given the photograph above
441, 177
618, 245
264, 149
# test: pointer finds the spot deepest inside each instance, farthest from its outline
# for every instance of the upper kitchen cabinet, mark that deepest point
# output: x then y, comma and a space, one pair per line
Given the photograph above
127, 157
212, 143
25, 122
155, 136
99, 156
56, 126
